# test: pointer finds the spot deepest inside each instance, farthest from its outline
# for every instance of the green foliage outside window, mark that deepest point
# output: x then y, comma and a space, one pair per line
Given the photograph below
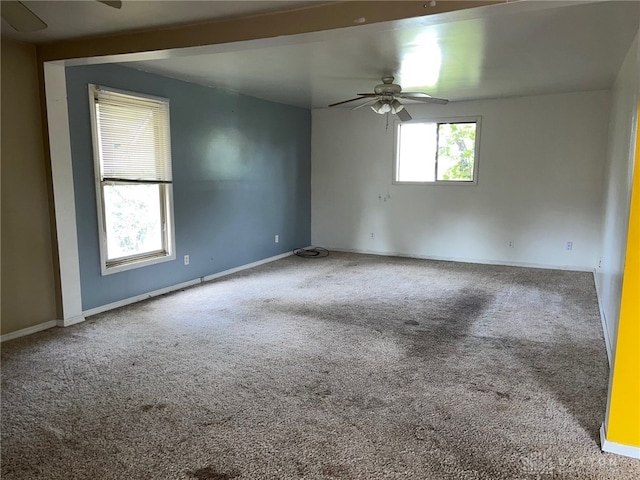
133, 219
456, 145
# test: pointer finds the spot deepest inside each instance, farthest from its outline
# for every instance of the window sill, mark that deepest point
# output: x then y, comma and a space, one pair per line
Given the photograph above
440, 183
137, 263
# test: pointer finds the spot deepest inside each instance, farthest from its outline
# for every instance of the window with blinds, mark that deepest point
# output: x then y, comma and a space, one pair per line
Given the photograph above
132, 151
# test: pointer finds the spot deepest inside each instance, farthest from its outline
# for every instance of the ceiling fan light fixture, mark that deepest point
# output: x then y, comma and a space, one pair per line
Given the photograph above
380, 107
396, 106
385, 106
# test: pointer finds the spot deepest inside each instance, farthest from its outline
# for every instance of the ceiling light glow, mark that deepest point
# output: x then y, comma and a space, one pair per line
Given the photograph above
420, 65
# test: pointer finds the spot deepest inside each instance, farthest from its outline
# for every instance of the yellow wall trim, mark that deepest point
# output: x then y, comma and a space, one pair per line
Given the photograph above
618, 449
623, 422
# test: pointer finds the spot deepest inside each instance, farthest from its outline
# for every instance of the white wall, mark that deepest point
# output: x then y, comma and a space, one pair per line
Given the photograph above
540, 183
617, 192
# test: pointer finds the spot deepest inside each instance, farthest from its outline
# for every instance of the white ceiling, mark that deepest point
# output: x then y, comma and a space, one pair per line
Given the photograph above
521, 48
497, 51
79, 18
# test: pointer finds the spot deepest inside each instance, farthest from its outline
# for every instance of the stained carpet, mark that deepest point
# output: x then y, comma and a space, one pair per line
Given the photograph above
347, 367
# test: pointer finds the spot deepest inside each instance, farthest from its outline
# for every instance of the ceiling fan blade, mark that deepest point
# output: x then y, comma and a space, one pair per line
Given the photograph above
20, 17
368, 102
439, 101
413, 94
112, 3
403, 115
346, 101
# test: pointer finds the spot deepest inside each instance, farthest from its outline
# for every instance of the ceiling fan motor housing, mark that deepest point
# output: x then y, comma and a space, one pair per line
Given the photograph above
387, 88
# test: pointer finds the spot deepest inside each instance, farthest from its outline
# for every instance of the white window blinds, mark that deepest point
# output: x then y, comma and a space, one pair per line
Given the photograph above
133, 137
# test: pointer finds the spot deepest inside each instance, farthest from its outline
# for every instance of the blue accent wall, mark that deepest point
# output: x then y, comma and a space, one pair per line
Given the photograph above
241, 171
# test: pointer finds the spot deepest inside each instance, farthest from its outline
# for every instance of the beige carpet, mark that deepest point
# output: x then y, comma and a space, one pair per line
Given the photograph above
347, 367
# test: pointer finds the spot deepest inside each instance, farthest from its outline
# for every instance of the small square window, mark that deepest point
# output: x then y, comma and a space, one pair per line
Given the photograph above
441, 151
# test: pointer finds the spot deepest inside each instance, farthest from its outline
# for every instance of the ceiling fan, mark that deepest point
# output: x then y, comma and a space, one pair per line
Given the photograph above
384, 99
22, 19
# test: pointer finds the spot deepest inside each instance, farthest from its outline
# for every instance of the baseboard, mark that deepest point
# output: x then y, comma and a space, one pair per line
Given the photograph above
67, 322
617, 448
603, 319
246, 267
458, 260
179, 286
139, 298
127, 301
28, 331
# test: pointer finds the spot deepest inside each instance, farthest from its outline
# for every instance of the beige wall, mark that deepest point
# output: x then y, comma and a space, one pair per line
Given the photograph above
28, 287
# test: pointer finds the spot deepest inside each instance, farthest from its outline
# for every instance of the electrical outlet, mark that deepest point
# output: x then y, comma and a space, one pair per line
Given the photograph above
510, 243
569, 245
186, 259
277, 238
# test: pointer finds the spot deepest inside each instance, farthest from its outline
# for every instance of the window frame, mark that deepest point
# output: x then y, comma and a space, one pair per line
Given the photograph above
130, 262
477, 119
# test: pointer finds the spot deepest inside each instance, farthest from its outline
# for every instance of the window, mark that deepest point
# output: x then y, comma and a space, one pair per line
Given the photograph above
132, 155
437, 151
